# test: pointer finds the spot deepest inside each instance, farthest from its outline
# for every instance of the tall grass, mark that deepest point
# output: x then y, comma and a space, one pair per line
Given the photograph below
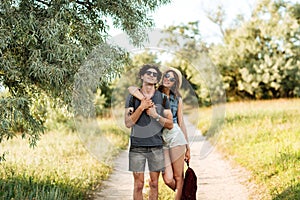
264, 137
60, 167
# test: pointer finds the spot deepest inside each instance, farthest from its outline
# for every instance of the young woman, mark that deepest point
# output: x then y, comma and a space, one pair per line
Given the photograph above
176, 148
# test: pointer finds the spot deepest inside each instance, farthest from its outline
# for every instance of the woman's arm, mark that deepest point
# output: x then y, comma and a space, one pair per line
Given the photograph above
183, 127
180, 119
134, 91
166, 120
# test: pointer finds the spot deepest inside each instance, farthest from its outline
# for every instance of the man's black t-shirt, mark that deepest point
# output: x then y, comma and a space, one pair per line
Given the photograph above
147, 131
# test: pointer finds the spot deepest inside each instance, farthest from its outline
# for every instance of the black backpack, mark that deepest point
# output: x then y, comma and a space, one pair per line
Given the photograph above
189, 189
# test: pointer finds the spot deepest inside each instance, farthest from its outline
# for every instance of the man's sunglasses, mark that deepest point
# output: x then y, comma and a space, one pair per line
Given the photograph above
170, 79
154, 74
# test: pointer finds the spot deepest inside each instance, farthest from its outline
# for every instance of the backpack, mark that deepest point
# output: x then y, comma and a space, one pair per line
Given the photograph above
189, 189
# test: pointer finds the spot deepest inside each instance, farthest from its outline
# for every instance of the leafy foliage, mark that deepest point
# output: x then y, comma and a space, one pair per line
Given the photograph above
191, 58
260, 58
43, 43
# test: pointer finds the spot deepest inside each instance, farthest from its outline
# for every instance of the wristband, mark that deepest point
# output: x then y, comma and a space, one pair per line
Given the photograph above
158, 117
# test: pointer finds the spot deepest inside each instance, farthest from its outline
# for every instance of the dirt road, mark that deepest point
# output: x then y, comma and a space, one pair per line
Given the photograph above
217, 178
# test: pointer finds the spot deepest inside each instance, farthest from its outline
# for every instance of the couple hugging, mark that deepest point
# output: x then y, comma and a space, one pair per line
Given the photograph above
158, 133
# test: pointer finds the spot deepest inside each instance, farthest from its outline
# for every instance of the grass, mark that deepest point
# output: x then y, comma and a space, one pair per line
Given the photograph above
263, 137
164, 192
60, 167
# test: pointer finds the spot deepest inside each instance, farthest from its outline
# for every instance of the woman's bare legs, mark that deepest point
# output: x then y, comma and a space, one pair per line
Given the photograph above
174, 174
168, 173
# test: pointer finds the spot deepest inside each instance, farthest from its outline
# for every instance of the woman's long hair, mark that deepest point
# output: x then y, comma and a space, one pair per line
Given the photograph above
175, 88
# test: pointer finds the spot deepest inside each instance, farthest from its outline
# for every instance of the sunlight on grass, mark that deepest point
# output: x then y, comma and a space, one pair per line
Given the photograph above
264, 137
60, 167
164, 192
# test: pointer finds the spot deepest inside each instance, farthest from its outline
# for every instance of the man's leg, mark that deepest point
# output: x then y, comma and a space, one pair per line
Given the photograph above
156, 165
153, 184
138, 185
137, 162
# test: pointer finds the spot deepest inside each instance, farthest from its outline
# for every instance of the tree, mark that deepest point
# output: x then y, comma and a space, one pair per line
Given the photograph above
190, 49
43, 43
260, 58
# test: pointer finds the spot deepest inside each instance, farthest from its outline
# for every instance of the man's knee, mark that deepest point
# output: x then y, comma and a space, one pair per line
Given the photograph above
139, 185
153, 184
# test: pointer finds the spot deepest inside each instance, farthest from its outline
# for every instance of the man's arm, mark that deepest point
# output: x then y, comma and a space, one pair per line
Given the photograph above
131, 116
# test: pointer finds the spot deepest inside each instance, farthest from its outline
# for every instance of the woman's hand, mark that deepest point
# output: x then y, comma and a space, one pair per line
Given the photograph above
152, 112
187, 155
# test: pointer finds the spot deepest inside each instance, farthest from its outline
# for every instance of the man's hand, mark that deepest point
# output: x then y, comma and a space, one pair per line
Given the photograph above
146, 103
132, 116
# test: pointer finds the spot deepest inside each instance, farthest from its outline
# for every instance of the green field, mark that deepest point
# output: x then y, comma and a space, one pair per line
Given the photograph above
263, 137
60, 167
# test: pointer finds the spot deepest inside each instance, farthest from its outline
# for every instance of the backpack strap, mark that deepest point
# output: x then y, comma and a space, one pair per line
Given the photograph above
187, 163
164, 100
133, 98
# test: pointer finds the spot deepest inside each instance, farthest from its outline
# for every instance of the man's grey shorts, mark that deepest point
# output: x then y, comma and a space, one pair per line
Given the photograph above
139, 155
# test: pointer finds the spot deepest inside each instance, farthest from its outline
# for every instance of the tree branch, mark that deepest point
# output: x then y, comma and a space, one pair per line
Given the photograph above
86, 4
43, 2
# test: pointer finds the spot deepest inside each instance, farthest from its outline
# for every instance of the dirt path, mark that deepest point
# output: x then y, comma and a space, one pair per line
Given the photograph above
217, 179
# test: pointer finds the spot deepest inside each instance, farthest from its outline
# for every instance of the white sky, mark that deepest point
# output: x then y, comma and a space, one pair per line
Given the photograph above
183, 11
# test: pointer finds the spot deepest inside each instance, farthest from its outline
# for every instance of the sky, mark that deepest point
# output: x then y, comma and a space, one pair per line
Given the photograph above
180, 11
183, 11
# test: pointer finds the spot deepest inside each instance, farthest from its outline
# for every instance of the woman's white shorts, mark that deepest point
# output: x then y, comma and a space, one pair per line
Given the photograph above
173, 137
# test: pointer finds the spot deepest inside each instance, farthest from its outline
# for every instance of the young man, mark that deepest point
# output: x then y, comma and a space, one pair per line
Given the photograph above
147, 118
